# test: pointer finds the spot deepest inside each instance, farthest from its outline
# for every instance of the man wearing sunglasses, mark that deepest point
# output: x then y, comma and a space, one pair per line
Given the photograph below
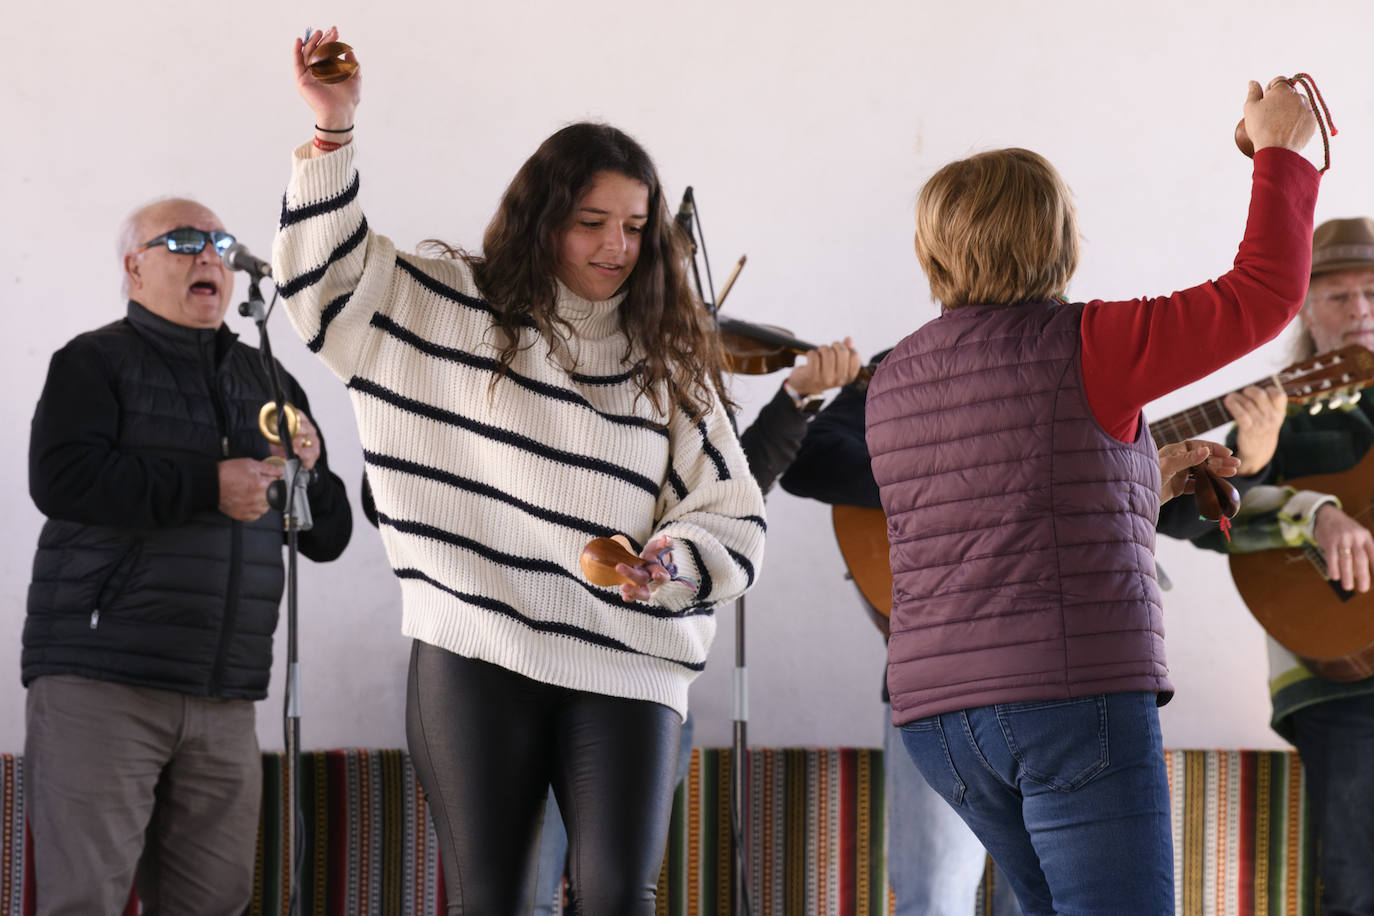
156, 586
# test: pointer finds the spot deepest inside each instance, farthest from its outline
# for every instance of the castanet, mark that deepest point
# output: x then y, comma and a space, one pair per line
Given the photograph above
600, 558
327, 64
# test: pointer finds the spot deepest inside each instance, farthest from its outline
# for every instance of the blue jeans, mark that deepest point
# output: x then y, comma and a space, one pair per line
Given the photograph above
1071, 797
934, 861
553, 840
1336, 741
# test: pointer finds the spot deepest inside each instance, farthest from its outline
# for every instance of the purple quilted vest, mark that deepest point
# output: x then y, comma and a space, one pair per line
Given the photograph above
1022, 532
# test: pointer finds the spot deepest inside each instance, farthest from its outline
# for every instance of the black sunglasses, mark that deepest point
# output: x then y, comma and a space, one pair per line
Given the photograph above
188, 240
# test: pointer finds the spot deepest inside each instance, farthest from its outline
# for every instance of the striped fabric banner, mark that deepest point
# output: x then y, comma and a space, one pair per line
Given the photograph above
13, 854
1242, 839
1242, 844
370, 847
815, 835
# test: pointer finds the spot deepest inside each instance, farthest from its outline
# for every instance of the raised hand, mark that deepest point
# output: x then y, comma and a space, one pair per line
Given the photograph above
332, 103
1278, 116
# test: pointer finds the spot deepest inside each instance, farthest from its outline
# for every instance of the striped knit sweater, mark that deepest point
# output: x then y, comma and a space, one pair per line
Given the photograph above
487, 495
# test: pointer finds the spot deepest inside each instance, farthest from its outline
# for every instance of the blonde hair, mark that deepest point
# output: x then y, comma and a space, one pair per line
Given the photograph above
995, 229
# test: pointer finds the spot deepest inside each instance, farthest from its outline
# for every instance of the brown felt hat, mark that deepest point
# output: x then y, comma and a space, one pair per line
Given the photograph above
1343, 244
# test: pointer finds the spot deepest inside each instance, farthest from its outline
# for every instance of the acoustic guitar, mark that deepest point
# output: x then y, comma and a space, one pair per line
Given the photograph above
1328, 380
1329, 628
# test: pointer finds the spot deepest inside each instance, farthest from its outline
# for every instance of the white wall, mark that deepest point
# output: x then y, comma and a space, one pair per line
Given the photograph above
806, 131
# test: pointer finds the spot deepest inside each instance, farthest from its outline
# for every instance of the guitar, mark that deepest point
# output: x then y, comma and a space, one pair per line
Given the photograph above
1286, 589
1329, 379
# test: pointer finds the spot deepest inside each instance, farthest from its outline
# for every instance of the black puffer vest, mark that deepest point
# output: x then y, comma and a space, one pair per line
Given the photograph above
189, 607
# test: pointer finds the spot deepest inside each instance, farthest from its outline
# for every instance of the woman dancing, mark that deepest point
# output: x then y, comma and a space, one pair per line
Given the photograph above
513, 406
1021, 488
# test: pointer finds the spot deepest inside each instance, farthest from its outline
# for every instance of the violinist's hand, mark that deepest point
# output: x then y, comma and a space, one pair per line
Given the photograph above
649, 575
1176, 458
826, 368
332, 103
1348, 547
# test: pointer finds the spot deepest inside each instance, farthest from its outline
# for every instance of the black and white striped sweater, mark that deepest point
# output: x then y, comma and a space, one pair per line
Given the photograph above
486, 496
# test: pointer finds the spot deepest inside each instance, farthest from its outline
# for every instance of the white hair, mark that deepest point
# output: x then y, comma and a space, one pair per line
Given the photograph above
128, 240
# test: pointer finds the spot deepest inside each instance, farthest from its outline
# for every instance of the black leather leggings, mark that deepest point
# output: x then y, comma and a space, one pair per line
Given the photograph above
487, 743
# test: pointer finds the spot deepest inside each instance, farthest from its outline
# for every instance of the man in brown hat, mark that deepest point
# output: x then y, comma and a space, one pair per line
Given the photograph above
1331, 724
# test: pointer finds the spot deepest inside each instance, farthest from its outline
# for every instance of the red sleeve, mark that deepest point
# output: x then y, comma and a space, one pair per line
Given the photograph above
1136, 351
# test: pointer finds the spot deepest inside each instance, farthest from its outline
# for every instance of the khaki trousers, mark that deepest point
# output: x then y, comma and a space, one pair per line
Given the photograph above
122, 781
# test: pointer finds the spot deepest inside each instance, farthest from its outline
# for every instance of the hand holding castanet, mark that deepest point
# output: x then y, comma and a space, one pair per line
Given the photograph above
1197, 467
609, 562
332, 94
1278, 115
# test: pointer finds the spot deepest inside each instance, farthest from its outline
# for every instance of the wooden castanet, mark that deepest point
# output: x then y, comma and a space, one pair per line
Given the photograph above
1287, 590
600, 558
327, 64
1243, 141
1216, 497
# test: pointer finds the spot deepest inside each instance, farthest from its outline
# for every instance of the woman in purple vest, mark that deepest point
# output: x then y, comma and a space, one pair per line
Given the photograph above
1021, 488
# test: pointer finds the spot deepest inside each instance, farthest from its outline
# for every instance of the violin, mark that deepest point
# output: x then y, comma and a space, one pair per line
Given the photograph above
758, 349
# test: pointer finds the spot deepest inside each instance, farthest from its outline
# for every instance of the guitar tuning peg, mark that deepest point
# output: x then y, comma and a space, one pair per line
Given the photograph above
1315, 409
1354, 398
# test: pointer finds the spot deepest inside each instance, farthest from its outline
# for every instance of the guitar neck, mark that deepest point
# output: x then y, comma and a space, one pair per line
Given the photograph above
1192, 422
1331, 378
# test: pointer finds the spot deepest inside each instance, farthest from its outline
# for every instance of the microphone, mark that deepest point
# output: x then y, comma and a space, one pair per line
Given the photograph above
685, 215
237, 257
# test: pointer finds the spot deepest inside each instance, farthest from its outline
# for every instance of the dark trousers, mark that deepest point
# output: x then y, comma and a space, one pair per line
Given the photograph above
487, 743
119, 779
1336, 741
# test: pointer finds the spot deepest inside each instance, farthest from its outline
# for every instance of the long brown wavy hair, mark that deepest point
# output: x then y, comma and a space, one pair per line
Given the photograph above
660, 316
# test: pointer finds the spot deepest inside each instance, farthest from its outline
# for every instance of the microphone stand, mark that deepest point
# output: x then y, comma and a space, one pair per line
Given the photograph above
739, 749
289, 496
